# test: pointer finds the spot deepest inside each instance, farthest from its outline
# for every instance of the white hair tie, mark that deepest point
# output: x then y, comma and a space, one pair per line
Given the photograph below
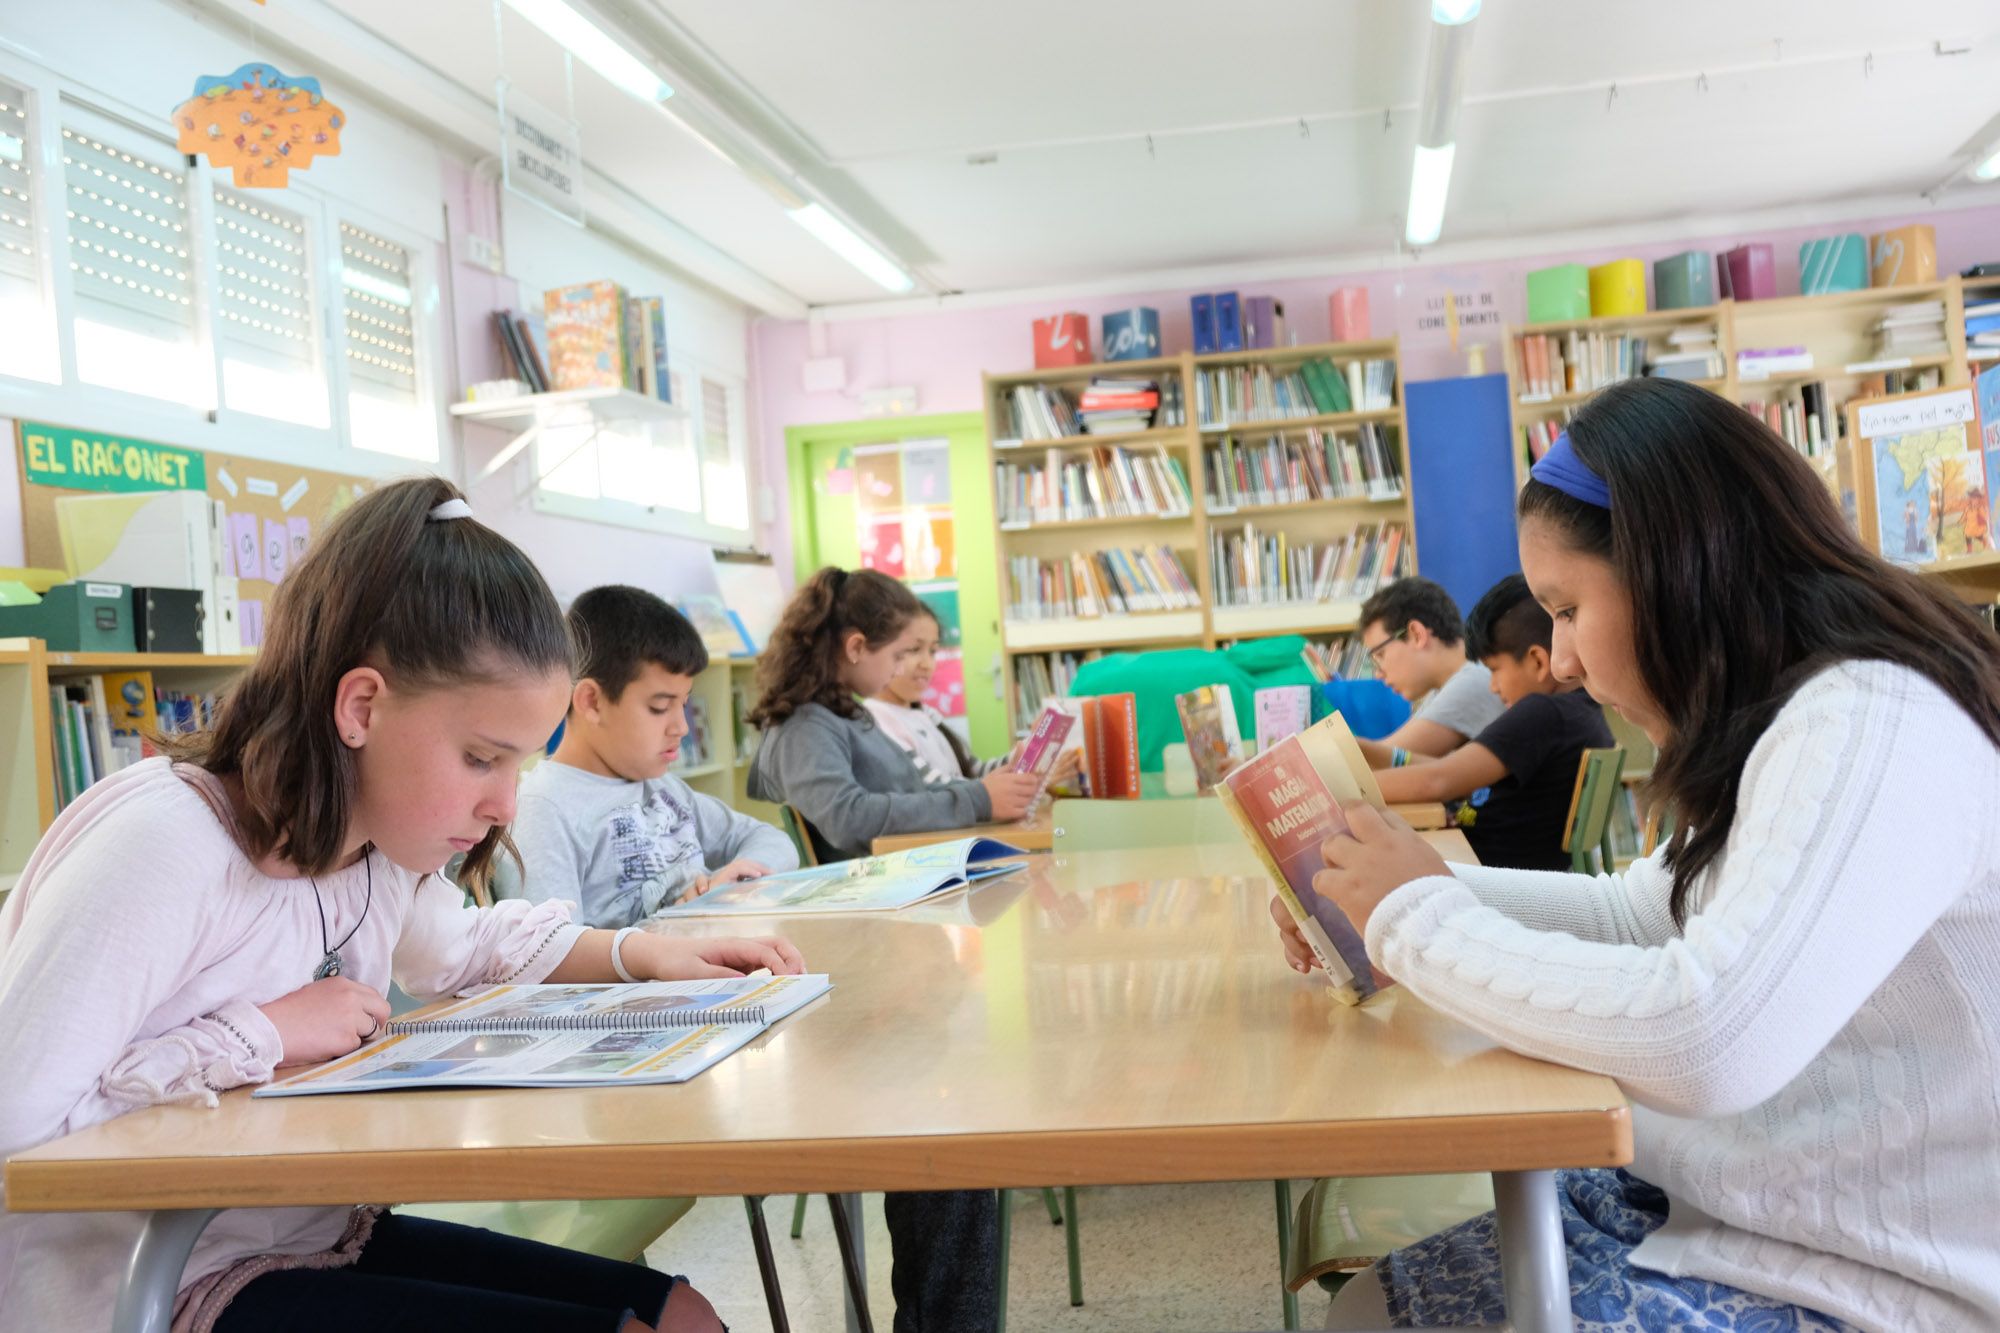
450, 509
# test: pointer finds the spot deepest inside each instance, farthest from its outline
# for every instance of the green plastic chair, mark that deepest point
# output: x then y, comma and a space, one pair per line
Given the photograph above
1343, 1226
1589, 828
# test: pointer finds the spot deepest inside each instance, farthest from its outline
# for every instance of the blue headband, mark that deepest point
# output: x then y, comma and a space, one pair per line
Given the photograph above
1562, 469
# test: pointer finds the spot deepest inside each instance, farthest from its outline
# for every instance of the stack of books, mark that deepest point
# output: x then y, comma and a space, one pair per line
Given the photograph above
1257, 568
1112, 406
1577, 362
1038, 412
1086, 585
1760, 363
1691, 355
1310, 466
1809, 423
1108, 482
1340, 658
1915, 328
1982, 330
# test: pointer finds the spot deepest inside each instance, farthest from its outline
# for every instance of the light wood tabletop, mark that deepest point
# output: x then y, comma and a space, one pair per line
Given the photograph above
1102, 1018
1037, 834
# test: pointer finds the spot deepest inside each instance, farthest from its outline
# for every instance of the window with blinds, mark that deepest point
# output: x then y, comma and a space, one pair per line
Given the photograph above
27, 342
378, 305
725, 482
271, 356
131, 268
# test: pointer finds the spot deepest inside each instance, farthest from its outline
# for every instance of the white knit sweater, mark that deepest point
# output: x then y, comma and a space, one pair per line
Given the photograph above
1816, 1057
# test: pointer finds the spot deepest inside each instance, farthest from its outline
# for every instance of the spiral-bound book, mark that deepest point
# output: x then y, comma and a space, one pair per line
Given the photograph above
563, 1036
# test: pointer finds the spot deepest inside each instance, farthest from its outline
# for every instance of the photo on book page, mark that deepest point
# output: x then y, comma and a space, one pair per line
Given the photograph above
866, 884
564, 1036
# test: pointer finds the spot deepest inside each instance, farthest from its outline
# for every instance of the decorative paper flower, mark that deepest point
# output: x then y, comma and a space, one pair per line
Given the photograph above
259, 123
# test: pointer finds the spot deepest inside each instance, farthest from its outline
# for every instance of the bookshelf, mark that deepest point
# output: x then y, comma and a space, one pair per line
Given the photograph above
529, 414
1835, 328
1193, 535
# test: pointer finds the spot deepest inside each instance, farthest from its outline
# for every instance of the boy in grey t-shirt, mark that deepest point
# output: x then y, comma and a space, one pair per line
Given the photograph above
601, 823
1416, 640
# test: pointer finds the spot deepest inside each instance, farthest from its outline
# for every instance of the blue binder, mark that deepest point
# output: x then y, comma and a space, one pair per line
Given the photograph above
1202, 310
1228, 322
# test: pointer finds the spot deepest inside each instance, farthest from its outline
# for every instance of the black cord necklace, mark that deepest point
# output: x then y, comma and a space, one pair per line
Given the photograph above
329, 966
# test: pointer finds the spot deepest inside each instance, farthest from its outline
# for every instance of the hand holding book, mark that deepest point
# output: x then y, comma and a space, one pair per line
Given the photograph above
1377, 855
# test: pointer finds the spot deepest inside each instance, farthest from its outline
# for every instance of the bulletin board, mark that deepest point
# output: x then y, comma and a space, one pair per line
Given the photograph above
273, 508
1922, 493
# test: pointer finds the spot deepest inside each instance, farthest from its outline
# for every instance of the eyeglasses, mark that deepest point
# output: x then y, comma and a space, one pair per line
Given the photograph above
1375, 653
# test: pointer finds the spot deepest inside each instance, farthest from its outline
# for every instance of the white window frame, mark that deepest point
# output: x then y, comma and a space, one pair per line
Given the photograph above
53, 100
694, 526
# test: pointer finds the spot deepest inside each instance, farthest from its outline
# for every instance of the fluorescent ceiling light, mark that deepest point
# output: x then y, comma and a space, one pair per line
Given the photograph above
1454, 11
1990, 168
838, 237
595, 47
1430, 178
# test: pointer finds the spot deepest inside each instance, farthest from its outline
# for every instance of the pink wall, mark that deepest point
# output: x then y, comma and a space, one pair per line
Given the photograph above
943, 354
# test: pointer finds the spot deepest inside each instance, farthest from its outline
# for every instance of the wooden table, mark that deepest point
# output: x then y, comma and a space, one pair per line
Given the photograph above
1036, 835
1102, 1018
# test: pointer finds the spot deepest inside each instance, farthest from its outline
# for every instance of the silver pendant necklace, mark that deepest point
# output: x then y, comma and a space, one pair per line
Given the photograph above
330, 964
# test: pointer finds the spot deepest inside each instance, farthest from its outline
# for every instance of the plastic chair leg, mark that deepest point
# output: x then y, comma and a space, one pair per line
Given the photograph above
1006, 1246
1055, 1209
1283, 1190
1072, 1238
799, 1217
850, 1262
767, 1266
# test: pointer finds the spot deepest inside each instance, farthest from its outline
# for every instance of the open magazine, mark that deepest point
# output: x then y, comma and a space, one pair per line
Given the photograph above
1288, 801
563, 1036
866, 884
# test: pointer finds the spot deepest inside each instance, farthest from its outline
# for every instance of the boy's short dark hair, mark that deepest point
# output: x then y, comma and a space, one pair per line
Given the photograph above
1508, 620
1411, 599
619, 629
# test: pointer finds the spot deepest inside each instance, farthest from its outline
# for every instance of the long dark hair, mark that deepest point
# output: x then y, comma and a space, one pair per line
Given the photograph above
431, 603
801, 664
1745, 580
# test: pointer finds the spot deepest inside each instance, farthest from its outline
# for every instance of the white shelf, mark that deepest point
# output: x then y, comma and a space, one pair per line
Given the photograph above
1251, 622
1034, 636
540, 408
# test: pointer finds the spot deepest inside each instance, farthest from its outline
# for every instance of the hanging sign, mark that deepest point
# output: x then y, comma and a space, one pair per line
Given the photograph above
541, 154
90, 461
260, 124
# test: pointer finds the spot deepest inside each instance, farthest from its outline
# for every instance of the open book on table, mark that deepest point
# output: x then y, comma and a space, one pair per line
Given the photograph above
563, 1036
1288, 801
866, 884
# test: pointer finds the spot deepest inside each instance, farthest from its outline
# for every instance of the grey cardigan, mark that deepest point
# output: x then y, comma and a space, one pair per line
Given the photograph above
853, 784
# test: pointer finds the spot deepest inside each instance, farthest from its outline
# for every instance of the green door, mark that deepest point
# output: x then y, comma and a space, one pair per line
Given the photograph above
913, 497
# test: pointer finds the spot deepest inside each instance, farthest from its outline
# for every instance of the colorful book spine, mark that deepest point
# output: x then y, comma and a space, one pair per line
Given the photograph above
587, 348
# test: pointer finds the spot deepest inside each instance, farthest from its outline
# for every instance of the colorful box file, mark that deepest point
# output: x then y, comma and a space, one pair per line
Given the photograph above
1347, 311
1131, 335
1562, 292
1746, 273
1833, 264
1618, 288
1903, 256
1684, 281
1062, 340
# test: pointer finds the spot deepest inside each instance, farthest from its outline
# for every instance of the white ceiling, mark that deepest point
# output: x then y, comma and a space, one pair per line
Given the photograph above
1267, 120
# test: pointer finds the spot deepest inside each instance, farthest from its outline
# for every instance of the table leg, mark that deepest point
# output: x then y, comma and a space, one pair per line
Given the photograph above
767, 1264
847, 1233
1534, 1263
153, 1277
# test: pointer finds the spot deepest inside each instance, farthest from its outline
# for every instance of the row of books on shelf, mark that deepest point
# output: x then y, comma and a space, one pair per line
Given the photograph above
1555, 364
1315, 465
1039, 677
1107, 406
1235, 395
101, 724
1343, 657
698, 746
1256, 568
1106, 482
1098, 583
589, 336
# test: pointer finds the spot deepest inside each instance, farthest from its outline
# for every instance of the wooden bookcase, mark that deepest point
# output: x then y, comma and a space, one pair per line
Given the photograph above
27, 751
1189, 535
1835, 328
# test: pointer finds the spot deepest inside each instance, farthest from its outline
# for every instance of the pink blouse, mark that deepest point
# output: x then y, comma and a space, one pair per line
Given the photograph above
134, 952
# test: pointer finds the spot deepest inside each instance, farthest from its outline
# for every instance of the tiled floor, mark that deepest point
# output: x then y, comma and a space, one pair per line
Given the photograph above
1167, 1257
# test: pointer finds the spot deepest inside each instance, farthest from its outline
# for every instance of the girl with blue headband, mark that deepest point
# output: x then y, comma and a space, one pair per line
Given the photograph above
1800, 991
